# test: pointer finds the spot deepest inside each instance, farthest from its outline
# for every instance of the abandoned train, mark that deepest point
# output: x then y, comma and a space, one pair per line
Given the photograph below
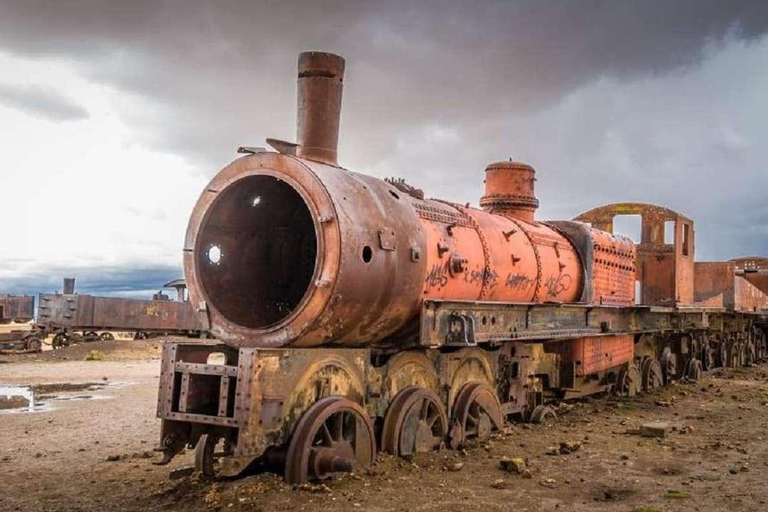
351, 314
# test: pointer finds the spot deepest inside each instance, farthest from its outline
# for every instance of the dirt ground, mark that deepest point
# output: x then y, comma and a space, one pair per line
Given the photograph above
89, 447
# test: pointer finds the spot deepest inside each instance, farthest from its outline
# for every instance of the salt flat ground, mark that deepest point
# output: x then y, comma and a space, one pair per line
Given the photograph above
714, 457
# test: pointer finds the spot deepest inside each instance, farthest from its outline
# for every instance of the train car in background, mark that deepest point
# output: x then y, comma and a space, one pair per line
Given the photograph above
71, 317
16, 331
16, 308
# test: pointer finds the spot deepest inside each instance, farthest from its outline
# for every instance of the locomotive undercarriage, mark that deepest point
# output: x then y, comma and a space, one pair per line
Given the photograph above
310, 413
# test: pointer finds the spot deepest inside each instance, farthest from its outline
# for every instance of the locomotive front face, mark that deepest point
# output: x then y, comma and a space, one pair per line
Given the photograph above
282, 250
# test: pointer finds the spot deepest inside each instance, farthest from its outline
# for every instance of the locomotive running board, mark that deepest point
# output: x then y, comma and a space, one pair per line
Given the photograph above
467, 323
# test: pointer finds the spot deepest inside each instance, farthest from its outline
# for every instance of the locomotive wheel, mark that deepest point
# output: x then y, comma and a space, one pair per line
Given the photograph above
629, 381
416, 422
140, 335
668, 365
476, 414
90, 336
653, 377
542, 413
722, 353
334, 436
735, 355
760, 341
107, 336
206, 456
750, 349
693, 370
707, 357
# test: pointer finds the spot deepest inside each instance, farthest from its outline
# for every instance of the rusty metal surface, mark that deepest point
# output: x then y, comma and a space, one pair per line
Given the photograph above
17, 308
730, 284
714, 284
664, 268
509, 190
594, 354
754, 270
91, 312
320, 83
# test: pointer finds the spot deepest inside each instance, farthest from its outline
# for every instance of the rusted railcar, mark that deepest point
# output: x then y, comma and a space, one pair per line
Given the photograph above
353, 315
73, 317
16, 308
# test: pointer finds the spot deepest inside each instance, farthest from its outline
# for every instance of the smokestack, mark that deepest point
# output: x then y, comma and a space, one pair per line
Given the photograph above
321, 78
69, 286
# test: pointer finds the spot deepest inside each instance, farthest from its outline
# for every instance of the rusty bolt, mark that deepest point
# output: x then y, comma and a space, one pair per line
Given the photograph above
509, 233
458, 264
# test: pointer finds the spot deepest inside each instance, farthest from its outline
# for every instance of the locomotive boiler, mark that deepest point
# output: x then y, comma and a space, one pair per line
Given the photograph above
352, 314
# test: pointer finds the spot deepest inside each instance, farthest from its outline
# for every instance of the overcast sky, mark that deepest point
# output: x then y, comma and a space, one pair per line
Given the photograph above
114, 114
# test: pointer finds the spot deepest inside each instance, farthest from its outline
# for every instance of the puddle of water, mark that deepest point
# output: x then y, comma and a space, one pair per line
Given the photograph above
16, 399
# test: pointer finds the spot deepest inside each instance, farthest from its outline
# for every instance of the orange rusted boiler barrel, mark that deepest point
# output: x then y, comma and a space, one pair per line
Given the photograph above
292, 250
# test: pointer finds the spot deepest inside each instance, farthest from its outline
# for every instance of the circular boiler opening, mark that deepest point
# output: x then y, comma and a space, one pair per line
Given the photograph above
256, 251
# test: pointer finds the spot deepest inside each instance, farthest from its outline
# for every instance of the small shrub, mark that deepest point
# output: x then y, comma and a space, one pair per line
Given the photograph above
95, 355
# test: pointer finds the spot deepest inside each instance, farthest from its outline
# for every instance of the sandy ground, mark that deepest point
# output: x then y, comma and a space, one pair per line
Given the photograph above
713, 458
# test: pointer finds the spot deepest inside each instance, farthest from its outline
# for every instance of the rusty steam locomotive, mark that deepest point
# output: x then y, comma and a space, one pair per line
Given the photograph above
350, 314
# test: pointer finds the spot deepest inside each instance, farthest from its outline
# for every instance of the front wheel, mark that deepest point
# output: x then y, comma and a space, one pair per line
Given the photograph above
335, 435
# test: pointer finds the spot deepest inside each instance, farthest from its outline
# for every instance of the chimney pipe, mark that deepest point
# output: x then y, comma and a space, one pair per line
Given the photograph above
321, 78
69, 286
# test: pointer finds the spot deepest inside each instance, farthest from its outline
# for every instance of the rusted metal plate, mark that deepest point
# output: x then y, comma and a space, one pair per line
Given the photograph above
594, 354
17, 308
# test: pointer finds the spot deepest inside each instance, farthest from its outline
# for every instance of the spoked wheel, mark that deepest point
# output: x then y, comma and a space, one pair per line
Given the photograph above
106, 336
542, 413
33, 344
476, 414
334, 436
722, 353
735, 355
206, 457
629, 381
750, 350
653, 378
760, 343
416, 422
668, 365
90, 336
60, 340
707, 356
694, 370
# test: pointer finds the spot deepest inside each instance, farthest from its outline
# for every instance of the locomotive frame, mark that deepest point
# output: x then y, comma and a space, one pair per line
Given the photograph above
256, 401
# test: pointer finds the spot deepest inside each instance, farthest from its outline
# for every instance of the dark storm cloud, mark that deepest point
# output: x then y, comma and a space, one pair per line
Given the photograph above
219, 71
437, 89
41, 102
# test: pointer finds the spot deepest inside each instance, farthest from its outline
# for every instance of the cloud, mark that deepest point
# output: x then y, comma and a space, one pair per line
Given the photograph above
103, 280
635, 100
41, 101
219, 74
